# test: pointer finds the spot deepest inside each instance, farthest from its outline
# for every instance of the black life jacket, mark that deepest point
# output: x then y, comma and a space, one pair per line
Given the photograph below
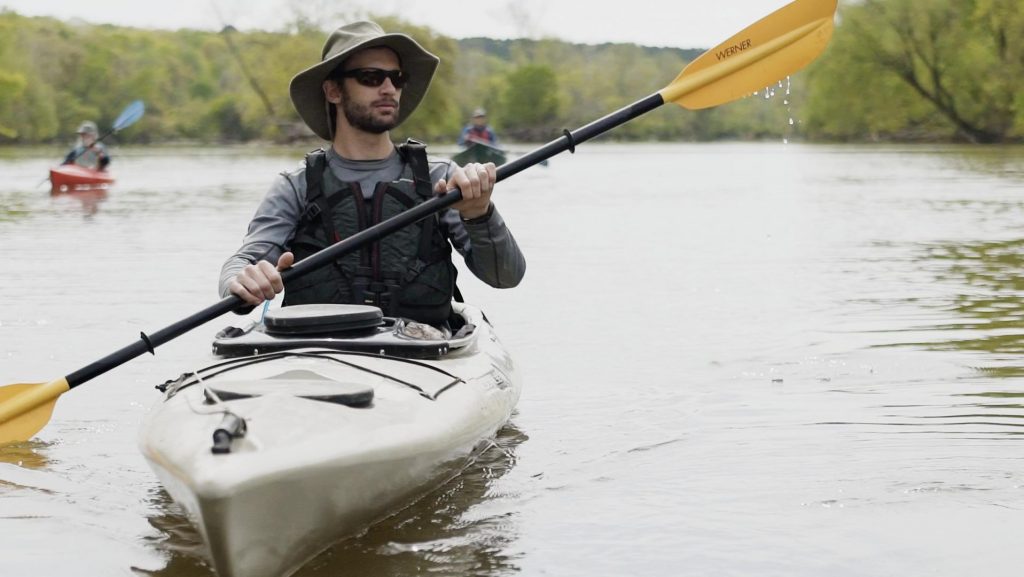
408, 273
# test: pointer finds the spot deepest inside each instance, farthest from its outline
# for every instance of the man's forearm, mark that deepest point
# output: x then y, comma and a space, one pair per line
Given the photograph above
494, 256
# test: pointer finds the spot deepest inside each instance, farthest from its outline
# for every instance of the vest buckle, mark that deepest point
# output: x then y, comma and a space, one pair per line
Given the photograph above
312, 210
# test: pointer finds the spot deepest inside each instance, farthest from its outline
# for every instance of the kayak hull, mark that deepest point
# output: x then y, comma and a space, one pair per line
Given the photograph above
308, 473
480, 152
74, 178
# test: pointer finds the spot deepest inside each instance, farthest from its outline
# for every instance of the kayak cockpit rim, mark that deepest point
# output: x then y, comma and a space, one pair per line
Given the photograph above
352, 328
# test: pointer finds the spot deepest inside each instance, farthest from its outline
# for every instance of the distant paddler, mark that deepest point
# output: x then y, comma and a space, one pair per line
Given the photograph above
478, 130
85, 165
479, 141
88, 151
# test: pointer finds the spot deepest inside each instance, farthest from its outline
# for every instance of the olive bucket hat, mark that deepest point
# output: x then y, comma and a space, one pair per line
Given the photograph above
307, 87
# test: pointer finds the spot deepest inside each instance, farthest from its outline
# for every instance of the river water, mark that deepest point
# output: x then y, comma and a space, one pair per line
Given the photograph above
739, 359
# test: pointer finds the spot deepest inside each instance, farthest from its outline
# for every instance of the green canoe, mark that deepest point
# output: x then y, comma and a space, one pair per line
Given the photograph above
480, 152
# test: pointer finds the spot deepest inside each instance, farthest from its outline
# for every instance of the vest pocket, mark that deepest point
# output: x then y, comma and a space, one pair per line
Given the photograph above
327, 284
427, 297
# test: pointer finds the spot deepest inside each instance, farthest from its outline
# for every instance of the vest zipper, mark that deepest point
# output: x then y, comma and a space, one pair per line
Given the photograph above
360, 205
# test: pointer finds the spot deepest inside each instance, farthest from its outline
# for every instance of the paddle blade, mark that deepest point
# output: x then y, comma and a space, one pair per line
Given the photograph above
762, 54
25, 408
130, 115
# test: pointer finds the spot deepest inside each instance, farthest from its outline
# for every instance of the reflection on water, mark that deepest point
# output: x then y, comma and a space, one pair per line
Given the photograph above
30, 454
14, 208
986, 311
25, 205
978, 309
1004, 162
177, 538
89, 200
23, 468
442, 533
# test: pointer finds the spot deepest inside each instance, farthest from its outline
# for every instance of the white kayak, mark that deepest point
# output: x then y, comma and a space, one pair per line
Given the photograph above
320, 422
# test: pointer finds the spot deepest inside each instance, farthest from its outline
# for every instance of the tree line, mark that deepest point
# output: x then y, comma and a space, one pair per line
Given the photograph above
896, 70
921, 70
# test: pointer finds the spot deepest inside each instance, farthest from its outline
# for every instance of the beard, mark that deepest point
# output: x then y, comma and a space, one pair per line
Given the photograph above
362, 117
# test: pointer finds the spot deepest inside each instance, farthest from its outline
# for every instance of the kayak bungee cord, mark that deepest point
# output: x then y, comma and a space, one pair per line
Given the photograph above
232, 426
171, 387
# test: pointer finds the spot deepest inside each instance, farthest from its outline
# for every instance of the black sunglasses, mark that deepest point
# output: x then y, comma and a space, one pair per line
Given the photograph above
374, 77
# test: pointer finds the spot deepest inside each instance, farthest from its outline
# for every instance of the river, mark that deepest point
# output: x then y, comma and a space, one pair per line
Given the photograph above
739, 359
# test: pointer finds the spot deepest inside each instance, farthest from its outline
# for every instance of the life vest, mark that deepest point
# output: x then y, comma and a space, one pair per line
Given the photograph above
89, 157
481, 133
408, 273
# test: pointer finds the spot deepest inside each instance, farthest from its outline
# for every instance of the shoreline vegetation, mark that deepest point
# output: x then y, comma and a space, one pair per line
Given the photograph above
896, 71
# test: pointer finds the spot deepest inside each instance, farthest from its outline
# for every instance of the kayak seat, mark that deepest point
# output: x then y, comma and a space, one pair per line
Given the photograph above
322, 319
305, 384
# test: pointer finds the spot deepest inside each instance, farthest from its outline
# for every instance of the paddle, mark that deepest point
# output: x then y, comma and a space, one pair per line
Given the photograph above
129, 116
762, 54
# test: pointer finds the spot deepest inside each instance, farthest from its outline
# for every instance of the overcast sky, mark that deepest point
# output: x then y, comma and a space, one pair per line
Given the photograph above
679, 23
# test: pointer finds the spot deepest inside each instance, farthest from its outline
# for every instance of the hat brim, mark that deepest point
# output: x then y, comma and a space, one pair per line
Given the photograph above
306, 87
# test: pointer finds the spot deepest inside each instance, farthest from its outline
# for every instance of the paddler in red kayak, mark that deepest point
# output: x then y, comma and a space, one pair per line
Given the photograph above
87, 151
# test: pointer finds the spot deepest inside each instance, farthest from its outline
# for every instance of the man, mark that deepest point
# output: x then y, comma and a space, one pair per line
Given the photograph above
477, 130
87, 152
367, 83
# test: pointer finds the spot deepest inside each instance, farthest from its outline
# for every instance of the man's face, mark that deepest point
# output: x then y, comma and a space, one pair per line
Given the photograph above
372, 109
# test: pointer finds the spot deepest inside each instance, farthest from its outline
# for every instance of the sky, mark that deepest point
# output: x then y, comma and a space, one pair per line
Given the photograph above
678, 23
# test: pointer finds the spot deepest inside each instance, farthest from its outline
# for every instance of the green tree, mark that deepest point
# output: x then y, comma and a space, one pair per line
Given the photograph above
905, 68
12, 84
531, 97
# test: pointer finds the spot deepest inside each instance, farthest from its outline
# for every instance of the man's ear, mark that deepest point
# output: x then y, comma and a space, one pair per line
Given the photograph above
332, 92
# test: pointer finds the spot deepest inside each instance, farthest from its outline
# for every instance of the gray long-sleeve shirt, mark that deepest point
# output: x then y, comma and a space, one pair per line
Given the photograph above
488, 247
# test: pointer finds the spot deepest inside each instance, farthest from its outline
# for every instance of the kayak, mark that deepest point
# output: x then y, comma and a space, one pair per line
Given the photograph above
320, 421
480, 152
71, 178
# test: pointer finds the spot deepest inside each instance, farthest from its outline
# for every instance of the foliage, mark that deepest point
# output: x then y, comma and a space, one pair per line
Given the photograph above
232, 86
531, 97
908, 70
896, 70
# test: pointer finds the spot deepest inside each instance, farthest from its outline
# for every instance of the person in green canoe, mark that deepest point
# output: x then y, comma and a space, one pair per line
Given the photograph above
477, 130
367, 83
87, 151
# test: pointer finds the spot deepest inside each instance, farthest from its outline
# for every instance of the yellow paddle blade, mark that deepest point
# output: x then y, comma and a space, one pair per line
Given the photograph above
25, 408
762, 54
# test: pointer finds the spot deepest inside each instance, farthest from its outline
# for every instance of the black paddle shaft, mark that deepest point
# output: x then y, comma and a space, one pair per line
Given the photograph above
568, 141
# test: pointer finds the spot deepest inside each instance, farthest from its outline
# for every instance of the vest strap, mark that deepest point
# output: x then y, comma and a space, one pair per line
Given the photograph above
415, 154
316, 202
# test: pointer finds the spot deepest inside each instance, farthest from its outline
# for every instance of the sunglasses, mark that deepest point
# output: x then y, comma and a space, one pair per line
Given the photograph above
374, 77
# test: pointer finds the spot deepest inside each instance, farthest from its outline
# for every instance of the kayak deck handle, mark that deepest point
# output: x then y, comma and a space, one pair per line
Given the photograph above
231, 427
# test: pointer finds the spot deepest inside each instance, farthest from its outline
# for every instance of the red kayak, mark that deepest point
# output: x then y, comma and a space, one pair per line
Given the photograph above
72, 178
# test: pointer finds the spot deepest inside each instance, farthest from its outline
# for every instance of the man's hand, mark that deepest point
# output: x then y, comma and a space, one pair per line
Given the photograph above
261, 281
476, 181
